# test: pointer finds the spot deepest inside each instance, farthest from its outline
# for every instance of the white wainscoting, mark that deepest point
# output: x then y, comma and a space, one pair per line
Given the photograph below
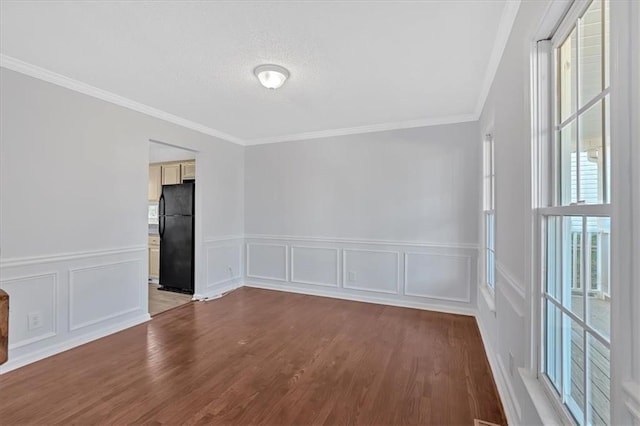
508, 339
101, 292
224, 265
376, 271
267, 261
315, 265
35, 294
438, 276
435, 276
78, 297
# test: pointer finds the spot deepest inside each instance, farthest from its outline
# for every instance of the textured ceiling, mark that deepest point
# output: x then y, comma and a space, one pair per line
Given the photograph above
355, 66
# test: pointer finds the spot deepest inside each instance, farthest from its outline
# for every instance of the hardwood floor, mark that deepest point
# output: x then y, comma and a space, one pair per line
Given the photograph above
266, 357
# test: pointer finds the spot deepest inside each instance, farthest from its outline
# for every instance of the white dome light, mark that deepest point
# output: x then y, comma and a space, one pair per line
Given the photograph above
271, 76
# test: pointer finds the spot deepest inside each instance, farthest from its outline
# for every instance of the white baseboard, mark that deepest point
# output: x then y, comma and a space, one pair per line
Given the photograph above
216, 291
380, 300
13, 364
503, 387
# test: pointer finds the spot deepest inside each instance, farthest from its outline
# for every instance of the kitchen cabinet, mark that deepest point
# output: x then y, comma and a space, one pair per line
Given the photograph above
188, 170
154, 256
155, 185
171, 174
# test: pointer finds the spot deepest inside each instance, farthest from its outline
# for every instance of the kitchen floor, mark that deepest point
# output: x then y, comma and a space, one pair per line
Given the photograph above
161, 301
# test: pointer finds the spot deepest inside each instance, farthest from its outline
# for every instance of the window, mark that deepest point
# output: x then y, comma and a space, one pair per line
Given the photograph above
489, 178
576, 218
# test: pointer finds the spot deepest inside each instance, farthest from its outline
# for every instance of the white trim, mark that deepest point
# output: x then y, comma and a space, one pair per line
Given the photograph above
383, 127
501, 385
344, 271
239, 246
551, 19
583, 109
545, 407
632, 391
43, 74
577, 210
634, 89
222, 238
509, 279
22, 67
25, 261
379, 300
286, 261
457, 246
568, 22
292, 273
467, 299
223, 281
32, 340
489, 297
29, 358
513, 398
54, 308
505, 26
72, 271
582, 322
218, 292
507, 20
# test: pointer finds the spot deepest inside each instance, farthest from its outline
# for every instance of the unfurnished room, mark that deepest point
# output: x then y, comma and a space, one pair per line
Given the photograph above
300, 212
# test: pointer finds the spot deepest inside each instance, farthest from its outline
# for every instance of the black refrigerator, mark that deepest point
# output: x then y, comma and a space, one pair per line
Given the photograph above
176, 220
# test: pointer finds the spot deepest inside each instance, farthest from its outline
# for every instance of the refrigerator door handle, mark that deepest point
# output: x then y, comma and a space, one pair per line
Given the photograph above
161, 227
161, 205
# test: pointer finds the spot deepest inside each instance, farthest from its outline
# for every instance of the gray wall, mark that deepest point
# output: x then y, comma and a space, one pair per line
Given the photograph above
388, 217
506, 115
407, 185
73, 213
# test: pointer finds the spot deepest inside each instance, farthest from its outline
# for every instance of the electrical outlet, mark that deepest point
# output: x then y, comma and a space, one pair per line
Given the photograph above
352, 276
34, 320
511, 364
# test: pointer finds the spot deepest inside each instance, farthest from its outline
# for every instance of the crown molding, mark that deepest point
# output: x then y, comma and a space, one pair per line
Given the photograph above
31, 70
507, 20
22, 67
398, 125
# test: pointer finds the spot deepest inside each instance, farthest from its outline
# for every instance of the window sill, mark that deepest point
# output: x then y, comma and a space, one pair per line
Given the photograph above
489, 297
544, 406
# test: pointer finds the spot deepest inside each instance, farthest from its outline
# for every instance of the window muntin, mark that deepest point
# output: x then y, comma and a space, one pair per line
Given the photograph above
489, 211
582, 112
576, 221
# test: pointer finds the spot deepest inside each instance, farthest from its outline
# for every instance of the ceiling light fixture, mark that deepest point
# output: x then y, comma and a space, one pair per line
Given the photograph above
271, 76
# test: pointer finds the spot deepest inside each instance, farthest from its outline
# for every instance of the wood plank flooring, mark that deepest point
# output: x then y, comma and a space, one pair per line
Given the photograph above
265, 357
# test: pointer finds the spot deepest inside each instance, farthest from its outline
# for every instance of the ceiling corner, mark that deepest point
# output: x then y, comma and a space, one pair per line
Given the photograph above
507, 20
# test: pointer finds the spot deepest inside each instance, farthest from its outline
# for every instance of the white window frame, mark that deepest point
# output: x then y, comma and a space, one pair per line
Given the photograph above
489, 210
622, 338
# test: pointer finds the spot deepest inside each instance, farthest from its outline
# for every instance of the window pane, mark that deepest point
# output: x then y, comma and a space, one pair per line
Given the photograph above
572, 282
567, 165
591, 53
554, 257
490, 231
553, 337
605, 4
598, 271
567, 80
599, 382
574, 368
491, 268
607, 150
592, 165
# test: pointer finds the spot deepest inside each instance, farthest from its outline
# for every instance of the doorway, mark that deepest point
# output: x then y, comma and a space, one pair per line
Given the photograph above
171, 226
